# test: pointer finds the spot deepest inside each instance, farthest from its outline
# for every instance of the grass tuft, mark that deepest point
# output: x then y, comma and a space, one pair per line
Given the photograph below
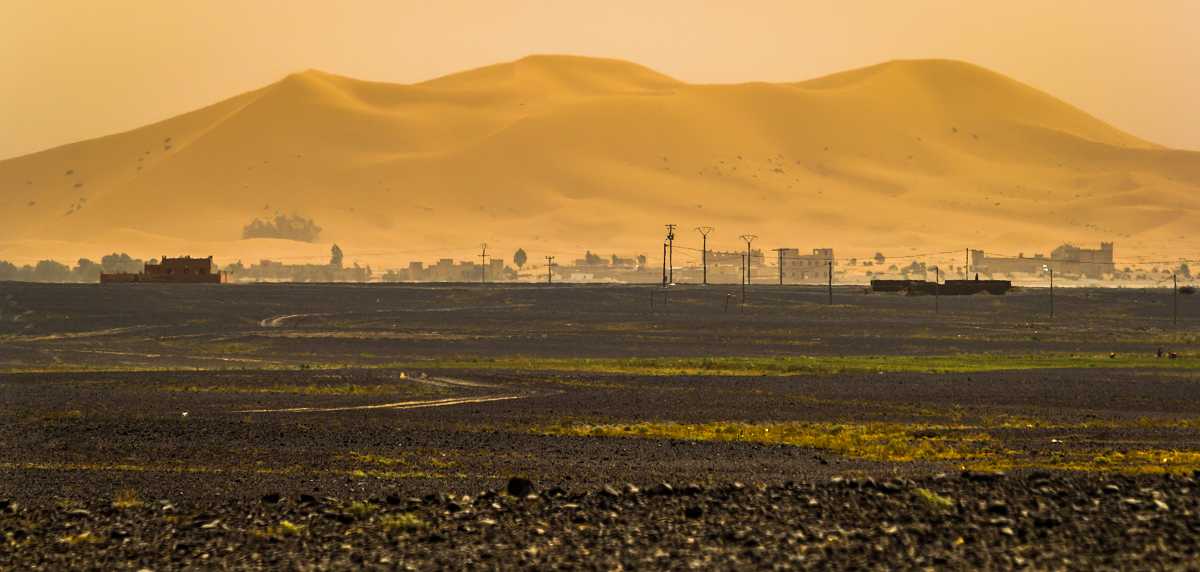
404, 522
935, 500
126, 499
285, 529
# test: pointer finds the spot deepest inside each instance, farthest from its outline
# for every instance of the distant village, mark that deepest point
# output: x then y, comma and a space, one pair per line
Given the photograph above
1068, 263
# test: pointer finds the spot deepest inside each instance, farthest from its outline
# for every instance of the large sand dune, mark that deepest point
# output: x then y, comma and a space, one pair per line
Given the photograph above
559, 154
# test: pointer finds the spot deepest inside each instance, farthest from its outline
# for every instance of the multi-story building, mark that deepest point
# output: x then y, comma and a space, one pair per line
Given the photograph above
1068, 260
800, 268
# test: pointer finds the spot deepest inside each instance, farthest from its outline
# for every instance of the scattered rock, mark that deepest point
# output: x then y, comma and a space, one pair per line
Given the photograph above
983, 476
661, 489
519, 487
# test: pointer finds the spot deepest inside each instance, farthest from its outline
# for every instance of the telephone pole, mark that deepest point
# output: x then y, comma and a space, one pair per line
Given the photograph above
748, 238
830, 263
1050, 269
967, 263
704, 232
670, 254
664, 265
549, 270
780, 251
937, 280
483, 256
743, 304
1175, 301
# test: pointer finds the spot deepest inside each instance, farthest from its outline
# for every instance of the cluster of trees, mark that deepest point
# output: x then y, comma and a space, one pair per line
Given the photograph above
294, 227
85, 270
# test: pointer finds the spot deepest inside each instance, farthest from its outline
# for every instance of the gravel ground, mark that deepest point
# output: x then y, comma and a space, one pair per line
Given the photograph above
141, 428
968, 521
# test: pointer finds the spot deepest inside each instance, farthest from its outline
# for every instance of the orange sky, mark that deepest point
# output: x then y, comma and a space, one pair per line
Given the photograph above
82, 69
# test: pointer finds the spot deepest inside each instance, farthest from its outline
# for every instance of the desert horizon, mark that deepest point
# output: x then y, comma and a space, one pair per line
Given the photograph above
906, 156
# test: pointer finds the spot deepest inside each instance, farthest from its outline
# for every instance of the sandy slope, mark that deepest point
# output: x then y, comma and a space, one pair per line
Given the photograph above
557, 154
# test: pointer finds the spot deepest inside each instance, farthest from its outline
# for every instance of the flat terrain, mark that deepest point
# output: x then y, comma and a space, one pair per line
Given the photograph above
335, 425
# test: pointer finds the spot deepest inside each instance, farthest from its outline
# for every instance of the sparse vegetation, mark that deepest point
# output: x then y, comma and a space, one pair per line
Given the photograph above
361, 510
814, 365
973, 446
399, 523
126, 499
934, 500
285, 529
873, 441
84, 537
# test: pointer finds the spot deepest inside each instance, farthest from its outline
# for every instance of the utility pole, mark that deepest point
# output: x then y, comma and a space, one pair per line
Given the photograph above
830, 262
483, 256
664, 265
549, 270
967, 263
1050, 269
780, 251
704, 232
748, 238
1175, 301
937, 279
743, 280
671, 253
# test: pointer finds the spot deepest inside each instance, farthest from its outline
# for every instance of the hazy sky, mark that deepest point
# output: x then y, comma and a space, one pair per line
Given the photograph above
81, 69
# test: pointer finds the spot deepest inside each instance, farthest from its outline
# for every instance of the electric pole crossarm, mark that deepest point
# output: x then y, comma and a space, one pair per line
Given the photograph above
483, 256
748, 238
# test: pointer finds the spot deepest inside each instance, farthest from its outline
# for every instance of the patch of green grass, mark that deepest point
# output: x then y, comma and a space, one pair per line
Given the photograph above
815, 365
934, 500
373, 459
285, 529
126, 499
361, 510
969, 446
403, 522
871, 441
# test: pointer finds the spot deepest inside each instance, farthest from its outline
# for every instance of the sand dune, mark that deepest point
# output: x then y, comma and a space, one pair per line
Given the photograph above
559, 154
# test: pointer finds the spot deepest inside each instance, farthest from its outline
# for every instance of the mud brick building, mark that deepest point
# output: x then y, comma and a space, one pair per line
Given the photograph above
182, 270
